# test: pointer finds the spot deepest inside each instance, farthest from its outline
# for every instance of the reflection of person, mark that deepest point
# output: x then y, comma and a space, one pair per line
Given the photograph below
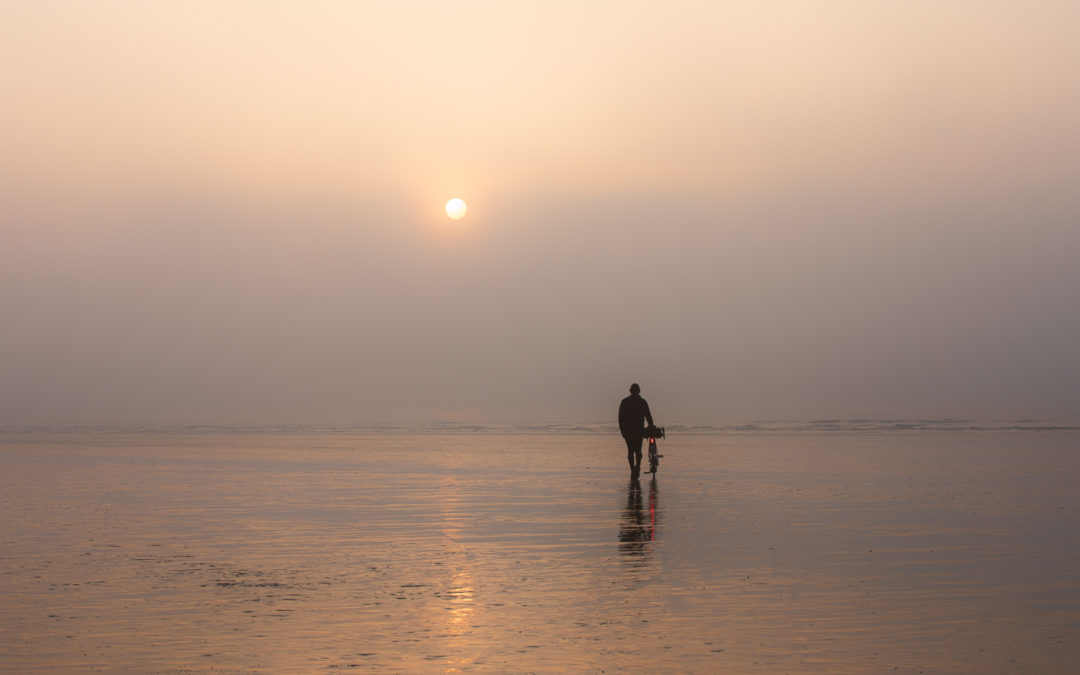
633, 413
632, 531
637, 531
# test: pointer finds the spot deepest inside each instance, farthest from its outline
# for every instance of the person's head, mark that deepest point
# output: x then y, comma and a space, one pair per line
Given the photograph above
635, 389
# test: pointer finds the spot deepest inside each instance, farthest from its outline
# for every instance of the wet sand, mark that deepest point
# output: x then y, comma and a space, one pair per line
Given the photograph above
935, 552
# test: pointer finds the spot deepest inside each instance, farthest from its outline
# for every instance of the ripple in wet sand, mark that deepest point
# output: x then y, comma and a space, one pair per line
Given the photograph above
935, 552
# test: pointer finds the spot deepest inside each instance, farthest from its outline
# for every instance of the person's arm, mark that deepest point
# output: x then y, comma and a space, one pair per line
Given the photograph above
648, 415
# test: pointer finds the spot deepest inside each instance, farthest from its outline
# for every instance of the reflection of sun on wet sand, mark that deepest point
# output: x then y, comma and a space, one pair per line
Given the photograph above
885, 552
461, 596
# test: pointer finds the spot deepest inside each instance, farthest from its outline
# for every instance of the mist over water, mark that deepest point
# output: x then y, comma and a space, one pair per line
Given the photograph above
181, 319
265, 408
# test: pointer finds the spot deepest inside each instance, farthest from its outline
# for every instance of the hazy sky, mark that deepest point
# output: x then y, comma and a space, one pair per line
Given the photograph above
217, 212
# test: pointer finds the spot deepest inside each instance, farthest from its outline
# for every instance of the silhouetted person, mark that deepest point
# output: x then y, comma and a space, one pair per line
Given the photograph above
633, 413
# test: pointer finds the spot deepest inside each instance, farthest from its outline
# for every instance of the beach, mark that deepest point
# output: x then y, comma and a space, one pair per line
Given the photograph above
807, 551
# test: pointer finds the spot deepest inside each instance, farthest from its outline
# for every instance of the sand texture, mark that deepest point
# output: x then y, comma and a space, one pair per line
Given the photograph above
910, 552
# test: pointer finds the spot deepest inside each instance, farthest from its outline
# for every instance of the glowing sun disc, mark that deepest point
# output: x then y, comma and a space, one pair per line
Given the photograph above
456, 208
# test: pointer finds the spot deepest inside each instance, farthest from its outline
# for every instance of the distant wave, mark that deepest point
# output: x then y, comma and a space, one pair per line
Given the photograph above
447, 427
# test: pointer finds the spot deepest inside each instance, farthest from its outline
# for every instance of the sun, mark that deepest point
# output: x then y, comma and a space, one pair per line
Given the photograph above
456, 208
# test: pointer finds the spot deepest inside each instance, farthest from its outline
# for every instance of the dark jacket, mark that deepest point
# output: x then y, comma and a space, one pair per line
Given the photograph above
633, 413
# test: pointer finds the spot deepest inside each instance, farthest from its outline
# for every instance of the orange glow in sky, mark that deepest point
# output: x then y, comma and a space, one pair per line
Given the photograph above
808, 201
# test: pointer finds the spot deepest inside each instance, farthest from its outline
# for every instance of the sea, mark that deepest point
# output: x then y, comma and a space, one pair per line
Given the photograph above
826, 546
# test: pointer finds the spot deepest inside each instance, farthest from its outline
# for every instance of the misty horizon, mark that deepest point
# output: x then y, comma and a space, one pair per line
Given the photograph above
229, 216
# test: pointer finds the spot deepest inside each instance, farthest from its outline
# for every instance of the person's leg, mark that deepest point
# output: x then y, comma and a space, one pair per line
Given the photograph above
633, 452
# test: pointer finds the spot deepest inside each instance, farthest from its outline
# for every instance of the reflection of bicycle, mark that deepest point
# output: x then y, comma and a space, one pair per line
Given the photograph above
654, 432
